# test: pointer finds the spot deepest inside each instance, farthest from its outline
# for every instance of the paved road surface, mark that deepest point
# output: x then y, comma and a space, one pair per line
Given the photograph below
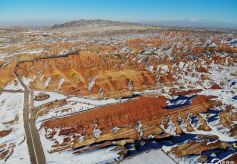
151, 157
32, 135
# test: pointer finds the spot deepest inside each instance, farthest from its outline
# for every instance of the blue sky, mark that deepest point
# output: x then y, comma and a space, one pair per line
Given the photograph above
17, 12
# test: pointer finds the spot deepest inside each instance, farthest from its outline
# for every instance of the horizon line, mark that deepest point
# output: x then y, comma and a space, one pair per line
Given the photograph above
183, 23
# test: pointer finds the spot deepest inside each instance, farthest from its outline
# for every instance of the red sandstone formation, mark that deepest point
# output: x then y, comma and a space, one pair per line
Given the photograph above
148, 110
5, 132
109, 74
215, 86
183, 93
196, 148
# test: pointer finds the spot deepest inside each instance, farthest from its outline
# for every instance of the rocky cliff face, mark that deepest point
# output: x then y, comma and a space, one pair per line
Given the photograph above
139, 118
88, 74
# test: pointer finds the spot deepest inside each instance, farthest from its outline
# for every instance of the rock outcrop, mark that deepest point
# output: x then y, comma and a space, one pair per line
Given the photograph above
135, 119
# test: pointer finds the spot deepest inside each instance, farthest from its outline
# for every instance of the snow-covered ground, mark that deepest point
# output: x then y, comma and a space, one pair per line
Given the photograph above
36, 51
27, 81
67, 157
152, 157
11, 107
96, 102
52, 97
14, 85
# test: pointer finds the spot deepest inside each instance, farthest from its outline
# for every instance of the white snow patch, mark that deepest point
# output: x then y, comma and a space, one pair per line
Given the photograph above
11, 105
46, 83
60, 83
92, 83
37, 51
52, 97
153, 156
13, 85
101, 155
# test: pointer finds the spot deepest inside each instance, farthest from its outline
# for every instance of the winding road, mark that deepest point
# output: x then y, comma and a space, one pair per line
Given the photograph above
32, 135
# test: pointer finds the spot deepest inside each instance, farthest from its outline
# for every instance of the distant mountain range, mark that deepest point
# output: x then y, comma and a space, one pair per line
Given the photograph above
96, 22
186, 23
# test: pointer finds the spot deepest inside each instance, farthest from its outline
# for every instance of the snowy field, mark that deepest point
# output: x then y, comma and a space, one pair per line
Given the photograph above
67, 157
52, 97
151, 157
14, 85
11, 108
